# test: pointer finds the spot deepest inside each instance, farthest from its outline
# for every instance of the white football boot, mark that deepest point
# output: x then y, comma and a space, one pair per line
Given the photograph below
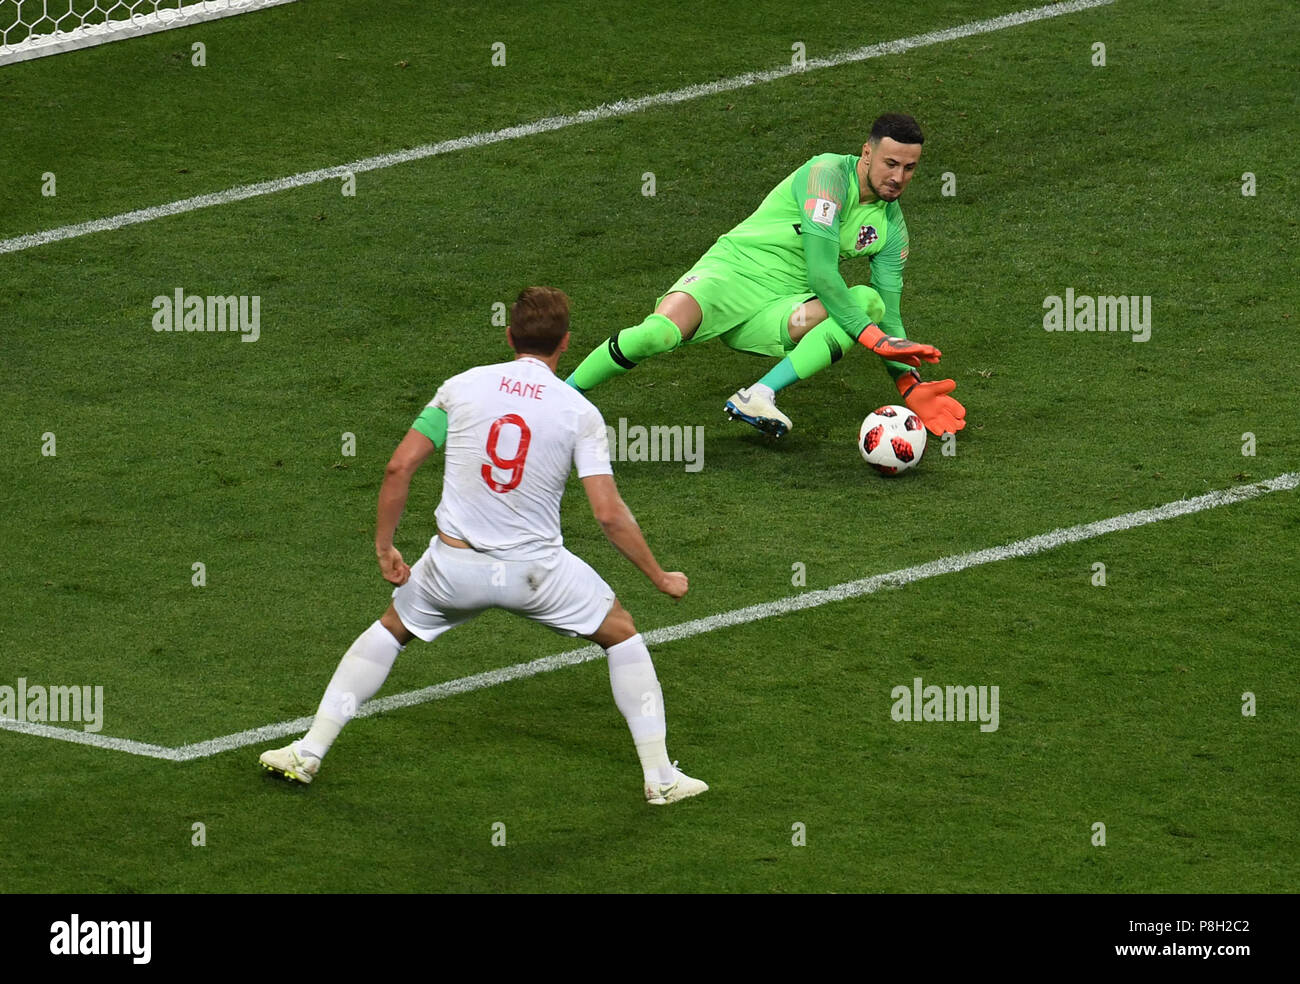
758, 410
663, 793
290, 763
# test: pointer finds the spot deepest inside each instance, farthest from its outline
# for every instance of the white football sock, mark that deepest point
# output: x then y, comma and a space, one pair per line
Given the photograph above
639, 696
360, 674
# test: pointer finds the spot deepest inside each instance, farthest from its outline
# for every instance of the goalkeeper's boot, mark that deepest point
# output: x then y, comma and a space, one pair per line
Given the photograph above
663, 793
291, 763
758, 410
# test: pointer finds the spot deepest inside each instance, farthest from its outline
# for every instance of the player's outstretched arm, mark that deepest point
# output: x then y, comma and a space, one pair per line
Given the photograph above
821, 256
620, 526
408, 457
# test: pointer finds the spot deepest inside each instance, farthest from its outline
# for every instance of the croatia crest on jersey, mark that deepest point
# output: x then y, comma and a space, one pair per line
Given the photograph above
866, 236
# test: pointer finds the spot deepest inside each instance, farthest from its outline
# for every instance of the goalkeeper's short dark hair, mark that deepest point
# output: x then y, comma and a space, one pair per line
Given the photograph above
896, 126
538, 320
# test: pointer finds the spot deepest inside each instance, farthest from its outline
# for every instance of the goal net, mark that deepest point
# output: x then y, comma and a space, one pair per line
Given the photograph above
32, 28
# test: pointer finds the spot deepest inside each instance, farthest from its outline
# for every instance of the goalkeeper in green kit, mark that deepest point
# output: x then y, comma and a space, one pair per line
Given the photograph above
772, 286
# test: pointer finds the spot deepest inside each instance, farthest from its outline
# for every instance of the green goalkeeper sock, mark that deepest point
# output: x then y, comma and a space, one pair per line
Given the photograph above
781, 376
824, 344
654, 335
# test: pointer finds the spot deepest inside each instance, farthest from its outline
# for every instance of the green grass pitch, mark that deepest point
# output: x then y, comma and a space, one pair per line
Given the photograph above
1120, 704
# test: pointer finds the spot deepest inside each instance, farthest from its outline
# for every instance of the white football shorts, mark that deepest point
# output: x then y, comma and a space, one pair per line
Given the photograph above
450, 585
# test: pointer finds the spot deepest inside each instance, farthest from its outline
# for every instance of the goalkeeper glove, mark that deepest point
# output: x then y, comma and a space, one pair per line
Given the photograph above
940, 413
897, 349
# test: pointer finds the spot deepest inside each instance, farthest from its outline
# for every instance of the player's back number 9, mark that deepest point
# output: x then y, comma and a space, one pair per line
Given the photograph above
515, 465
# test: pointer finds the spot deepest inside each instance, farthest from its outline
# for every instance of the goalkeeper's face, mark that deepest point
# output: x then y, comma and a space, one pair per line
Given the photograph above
889, 167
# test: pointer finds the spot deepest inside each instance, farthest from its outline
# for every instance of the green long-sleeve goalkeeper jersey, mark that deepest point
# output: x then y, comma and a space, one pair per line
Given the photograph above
810, 221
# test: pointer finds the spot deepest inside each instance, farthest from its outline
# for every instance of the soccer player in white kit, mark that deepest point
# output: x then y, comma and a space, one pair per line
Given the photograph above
511, 433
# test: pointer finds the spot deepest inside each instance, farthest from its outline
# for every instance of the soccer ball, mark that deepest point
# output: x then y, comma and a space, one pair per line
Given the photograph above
892, 439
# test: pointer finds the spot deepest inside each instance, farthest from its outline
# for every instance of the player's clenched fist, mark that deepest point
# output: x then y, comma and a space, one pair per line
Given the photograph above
673, 583
392, 566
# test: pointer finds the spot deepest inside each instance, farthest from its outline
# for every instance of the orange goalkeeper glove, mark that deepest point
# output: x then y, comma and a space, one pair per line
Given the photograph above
939, 412
897, 349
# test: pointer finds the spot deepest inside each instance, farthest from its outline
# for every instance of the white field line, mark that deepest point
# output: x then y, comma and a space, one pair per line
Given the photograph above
623, 107
686, 630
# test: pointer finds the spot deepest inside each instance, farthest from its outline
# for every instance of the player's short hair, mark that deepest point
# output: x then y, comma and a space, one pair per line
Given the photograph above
538, 320
896, 126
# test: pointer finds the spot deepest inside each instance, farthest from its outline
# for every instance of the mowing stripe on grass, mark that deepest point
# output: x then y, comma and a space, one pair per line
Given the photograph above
673, 633
623, 107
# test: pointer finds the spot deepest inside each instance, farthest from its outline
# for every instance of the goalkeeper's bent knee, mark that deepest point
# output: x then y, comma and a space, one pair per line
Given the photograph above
653, 336
870, 301
824, 344
874, 305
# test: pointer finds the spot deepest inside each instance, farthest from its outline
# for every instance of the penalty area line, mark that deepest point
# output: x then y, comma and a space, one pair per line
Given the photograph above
623, 107
686, 630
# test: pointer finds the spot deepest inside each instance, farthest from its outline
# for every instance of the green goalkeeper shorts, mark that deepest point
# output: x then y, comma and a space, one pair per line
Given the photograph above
745, 315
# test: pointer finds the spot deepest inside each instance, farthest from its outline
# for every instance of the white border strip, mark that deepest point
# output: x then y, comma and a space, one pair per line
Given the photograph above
165, 19
675, 633
623, 107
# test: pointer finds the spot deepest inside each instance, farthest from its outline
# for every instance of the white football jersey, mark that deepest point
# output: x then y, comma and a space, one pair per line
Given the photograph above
514, 431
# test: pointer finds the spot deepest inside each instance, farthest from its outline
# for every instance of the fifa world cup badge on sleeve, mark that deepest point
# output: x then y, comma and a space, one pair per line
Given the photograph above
823, 211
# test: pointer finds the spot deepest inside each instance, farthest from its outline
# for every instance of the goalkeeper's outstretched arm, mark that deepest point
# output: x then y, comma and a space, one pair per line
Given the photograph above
821, 256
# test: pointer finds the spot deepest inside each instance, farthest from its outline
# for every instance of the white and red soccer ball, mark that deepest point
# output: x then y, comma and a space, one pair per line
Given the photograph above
892, 439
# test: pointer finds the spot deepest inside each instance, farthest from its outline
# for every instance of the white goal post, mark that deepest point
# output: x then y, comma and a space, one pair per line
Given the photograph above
33, 28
